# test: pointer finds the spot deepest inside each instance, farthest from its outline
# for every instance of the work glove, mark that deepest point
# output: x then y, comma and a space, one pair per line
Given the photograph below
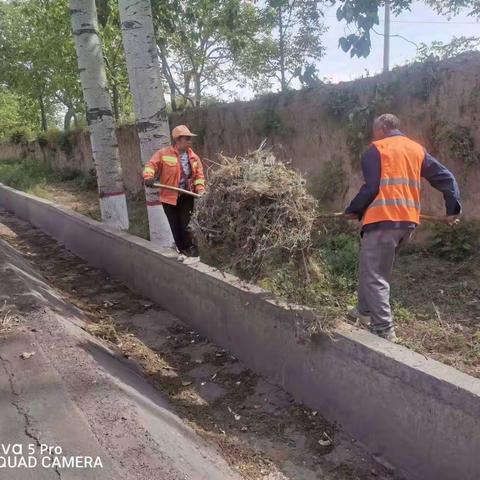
149, 182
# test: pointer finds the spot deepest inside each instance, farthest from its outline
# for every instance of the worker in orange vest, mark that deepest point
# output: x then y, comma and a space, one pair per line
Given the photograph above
178, 166
388, 204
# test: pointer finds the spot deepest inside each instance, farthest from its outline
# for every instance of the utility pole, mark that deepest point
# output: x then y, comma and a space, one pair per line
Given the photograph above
386, 38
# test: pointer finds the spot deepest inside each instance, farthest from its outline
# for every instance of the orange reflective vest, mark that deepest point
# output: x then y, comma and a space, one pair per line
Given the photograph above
165, 166
398, 198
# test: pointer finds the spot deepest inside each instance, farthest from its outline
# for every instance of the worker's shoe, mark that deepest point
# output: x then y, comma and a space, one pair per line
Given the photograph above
355, 315
181, 257
389, 335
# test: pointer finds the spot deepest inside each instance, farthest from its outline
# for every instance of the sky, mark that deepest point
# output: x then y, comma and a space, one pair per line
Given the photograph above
421, 24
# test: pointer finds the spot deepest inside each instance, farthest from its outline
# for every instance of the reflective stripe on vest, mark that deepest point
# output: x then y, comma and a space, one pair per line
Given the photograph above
398, 198
170, 160
400, 181
148, 170
398, 202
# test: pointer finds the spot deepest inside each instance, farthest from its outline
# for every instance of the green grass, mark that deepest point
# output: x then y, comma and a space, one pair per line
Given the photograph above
34, 177
330, 285
435, 298
70, 188
25, 175
459, 243
340, 254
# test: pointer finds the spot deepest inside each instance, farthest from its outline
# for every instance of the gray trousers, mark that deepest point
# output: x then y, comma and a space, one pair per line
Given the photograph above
377, 255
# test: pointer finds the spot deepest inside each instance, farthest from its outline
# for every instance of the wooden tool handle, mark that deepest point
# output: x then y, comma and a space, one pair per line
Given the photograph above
432, 218
176, 189
330, 215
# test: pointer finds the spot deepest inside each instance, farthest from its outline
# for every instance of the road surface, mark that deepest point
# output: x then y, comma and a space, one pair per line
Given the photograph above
144, 397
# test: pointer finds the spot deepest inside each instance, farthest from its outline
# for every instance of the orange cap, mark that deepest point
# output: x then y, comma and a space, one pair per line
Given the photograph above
182, 131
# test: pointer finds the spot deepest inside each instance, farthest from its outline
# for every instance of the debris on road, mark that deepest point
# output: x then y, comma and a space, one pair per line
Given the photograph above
325, 441
258, 436
236, 416
103, 329
27, 355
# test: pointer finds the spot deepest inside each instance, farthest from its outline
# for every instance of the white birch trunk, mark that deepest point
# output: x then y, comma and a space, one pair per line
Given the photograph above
144, 75
113, 204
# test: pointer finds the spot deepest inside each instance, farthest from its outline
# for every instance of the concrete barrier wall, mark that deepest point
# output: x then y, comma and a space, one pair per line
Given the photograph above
418, 414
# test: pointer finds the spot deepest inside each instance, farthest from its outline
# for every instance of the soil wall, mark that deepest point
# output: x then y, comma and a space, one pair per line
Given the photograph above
323, 130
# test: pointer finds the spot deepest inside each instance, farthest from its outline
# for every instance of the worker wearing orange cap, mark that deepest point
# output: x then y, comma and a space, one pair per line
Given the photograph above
177, 166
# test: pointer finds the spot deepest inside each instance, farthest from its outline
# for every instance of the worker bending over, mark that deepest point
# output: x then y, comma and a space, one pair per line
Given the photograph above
388, 204
177, 166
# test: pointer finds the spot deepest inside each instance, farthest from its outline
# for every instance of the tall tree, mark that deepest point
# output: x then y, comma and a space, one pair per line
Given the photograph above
289, 46
299, 28
36, 43
149, 104
37, 46
116, 67
199, 42
113, 203
15, 114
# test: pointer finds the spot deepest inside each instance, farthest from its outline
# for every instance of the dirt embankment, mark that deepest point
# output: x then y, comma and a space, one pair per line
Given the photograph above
323, 130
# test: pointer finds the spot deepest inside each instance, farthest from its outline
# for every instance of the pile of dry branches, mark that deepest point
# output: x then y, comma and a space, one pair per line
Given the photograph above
256, 213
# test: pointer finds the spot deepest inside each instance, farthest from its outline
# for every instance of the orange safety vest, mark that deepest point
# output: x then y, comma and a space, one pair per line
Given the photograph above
165, 165
398, 198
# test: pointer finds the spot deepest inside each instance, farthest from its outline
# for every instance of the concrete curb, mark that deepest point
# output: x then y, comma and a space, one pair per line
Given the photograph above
418, 414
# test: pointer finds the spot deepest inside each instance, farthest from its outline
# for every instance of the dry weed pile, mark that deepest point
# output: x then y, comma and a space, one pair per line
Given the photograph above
256, 213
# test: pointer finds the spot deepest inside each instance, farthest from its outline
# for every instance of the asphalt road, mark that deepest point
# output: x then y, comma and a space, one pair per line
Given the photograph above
72, 409
141, 395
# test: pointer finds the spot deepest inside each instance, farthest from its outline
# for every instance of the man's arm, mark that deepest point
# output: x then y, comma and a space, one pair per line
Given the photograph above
371, 168
443, 180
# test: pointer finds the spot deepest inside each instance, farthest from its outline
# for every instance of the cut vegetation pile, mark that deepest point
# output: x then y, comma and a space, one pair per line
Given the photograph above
258, 221
256, 214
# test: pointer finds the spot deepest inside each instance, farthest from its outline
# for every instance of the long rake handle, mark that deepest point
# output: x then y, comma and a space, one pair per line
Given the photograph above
176, 189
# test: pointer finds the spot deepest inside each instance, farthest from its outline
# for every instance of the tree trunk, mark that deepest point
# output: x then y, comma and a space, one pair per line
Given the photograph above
113, 204
116, 109
186, 82
198, 89
43, 115
68, 118
173, 101
282, 50
144, 76
167, 74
